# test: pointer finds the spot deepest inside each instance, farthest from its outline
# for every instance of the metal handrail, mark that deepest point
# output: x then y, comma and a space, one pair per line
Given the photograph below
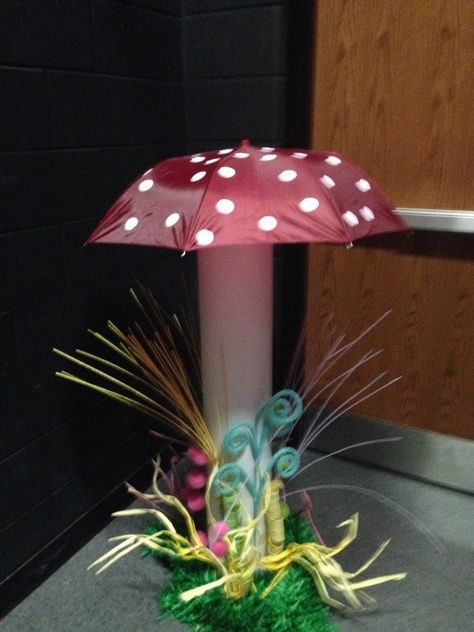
438, 219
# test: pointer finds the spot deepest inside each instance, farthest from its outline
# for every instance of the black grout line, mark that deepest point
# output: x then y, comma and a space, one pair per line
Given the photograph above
55, 224
50, 110
184, 71
149, 9
92, 147
62, 252
93, 34
87, 73
95, 74
250, 7
236, 78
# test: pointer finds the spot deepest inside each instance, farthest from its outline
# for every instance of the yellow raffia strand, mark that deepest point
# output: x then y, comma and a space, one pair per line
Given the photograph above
326, 572
243, 560
167, 540
152, 362
241, 565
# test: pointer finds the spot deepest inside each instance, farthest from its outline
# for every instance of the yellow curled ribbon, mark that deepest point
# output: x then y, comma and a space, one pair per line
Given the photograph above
243, 559
326, 572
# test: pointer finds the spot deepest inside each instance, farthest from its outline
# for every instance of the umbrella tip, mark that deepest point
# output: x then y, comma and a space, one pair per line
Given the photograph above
245, 142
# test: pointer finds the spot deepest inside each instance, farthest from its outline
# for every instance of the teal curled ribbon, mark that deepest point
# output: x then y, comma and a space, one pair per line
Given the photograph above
274, 420
285, 463
238, 437
280, 412
229, 478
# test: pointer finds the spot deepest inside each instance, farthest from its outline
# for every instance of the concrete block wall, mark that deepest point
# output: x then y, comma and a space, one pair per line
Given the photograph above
92, 93
235, 66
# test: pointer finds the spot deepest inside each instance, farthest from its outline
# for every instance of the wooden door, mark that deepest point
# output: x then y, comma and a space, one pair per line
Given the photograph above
393, 89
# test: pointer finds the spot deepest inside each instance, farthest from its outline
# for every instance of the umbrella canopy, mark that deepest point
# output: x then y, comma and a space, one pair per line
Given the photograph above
248, 195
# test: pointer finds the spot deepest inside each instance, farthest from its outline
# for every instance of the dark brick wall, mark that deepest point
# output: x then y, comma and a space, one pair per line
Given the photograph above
235, 68
93, 93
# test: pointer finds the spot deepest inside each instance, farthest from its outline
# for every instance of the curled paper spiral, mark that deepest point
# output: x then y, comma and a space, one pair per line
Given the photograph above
285, 463
238, 437
229, 479
281, 411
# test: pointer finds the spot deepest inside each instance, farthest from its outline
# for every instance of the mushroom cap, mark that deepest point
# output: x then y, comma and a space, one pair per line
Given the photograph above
248, 195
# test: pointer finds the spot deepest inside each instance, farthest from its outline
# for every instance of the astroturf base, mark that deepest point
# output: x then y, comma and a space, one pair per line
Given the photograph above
294, 604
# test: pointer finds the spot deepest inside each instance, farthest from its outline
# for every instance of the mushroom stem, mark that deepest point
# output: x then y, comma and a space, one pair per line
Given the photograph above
236, 317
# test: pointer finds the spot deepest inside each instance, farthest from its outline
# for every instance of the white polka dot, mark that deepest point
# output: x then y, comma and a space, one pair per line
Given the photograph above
299, 154
328, 182
211, 161
145, 185
287, 176
267, 223
363, 185
268, 157
131, 223
224, 151
367, 213
197, 158
333, 160
267, 148
226, 172
350, 218
198, 176
172, 219
241, 154
204, 237
225, 206
308, 205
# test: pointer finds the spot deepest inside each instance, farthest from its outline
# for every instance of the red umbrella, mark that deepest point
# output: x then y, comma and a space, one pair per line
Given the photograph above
248, 195
240, 201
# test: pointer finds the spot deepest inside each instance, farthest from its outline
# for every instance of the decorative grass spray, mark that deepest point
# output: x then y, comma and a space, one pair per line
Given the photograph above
221, 578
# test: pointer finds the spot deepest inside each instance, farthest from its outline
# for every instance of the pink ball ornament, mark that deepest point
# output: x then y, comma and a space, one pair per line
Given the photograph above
220, 529
197, 456
196, 478
196, 501
183, 494
202, 539
219, 548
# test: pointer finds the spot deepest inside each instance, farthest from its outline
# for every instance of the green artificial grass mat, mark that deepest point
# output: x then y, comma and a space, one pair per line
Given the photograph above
294, 604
